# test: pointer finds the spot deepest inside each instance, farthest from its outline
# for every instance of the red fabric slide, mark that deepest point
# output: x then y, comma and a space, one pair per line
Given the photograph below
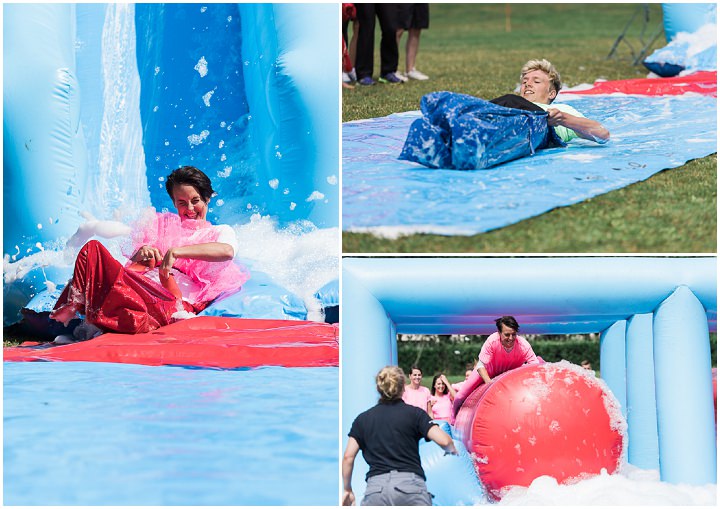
205, 341
704, 83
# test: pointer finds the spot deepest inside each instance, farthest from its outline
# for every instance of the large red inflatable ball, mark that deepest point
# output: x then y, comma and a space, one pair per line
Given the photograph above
555, 419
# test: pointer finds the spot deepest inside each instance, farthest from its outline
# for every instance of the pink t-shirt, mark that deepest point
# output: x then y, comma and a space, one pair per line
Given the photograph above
418, 398
458, 385
442, 407
497, 360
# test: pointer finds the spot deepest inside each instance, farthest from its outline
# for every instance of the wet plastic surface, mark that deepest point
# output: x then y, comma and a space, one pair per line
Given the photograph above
112, 434
207, 341
387, 196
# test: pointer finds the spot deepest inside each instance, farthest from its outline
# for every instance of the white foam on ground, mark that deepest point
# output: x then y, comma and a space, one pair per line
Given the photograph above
632, 486
300, 257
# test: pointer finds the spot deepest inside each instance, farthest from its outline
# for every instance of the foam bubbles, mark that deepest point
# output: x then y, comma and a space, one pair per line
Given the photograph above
300, 257
197, 139
202, 67
332, 180
631, 486
314, 196
274, 183
207, 96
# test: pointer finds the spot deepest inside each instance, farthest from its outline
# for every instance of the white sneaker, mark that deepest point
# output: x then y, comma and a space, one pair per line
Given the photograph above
346, 78
401, 77
417, 75
353, 75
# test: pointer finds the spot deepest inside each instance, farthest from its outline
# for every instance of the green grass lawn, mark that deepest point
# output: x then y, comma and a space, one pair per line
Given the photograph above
468, 50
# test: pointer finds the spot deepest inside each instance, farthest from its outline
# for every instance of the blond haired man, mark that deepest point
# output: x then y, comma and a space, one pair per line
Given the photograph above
540, 84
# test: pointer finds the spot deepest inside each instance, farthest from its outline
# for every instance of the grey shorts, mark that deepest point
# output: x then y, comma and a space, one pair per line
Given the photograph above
396, 488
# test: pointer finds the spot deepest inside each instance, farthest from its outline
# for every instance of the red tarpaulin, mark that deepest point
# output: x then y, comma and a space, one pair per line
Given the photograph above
704, 83
205, 341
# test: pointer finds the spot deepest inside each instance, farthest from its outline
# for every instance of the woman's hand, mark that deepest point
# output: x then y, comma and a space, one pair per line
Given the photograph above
148, 255
168, 261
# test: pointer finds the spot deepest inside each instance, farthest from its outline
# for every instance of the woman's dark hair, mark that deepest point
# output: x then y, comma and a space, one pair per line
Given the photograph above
190, 176
415, 367
432, 389
507, 321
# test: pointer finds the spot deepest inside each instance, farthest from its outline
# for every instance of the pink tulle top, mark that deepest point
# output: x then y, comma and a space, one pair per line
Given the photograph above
166, 230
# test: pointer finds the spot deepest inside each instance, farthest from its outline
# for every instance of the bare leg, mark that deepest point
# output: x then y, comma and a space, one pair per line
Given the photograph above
411, 49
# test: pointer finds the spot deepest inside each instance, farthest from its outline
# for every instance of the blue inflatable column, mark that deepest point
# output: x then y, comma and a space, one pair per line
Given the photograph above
686, 17
683, 386
44, 159
368, 344
612, 361
641, 408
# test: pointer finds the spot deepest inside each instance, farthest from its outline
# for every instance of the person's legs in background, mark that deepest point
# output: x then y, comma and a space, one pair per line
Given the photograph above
387, 14
420, 20
365, 43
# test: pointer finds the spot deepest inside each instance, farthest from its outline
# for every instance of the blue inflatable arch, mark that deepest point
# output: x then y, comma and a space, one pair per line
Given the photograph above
654, 316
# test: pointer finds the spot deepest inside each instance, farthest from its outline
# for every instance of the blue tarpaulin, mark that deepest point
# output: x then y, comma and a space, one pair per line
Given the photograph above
462, 132
388, 196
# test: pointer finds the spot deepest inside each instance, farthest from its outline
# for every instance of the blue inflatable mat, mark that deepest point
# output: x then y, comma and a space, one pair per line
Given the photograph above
389, 197
103, 434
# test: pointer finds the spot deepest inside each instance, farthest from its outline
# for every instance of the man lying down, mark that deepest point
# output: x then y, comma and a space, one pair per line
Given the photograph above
463, 132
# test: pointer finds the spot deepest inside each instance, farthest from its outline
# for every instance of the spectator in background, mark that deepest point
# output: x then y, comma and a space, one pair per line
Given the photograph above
412, 18
364, 60
468, 371
415, 394
349, 49
586, 364
442, 395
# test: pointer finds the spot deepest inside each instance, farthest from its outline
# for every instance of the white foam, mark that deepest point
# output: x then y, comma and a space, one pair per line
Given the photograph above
197, 139
206, 97
202, 67
314, 196
300, 257
631, 486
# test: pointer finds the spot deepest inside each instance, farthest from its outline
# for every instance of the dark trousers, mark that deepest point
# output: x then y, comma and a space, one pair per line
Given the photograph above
387, 15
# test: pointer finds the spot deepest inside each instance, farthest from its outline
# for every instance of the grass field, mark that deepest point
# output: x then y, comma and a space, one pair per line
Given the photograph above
467, 49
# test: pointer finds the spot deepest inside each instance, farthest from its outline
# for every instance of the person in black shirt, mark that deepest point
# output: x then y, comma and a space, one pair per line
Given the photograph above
388, 436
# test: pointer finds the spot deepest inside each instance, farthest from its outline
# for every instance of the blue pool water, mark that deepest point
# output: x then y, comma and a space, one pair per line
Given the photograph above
114, 434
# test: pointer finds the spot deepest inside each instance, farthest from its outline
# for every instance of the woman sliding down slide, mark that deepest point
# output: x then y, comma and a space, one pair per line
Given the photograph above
180, 264
463, 132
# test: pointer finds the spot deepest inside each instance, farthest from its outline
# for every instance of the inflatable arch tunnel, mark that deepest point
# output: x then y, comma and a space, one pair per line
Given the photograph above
102, 101
654, 316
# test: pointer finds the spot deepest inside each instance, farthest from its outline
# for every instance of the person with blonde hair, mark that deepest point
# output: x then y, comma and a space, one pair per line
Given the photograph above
540, 84
388, 435
462, 132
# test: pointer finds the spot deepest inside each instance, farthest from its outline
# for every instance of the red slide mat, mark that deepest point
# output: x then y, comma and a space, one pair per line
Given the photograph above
704, 83
205, 341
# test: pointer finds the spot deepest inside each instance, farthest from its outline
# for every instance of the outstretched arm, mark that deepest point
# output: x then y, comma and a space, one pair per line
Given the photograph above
209, 252
348, 462
584, 127
442, 439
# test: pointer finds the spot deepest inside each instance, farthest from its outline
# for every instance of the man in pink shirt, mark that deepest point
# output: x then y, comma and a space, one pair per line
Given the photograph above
415, 394
503, 350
